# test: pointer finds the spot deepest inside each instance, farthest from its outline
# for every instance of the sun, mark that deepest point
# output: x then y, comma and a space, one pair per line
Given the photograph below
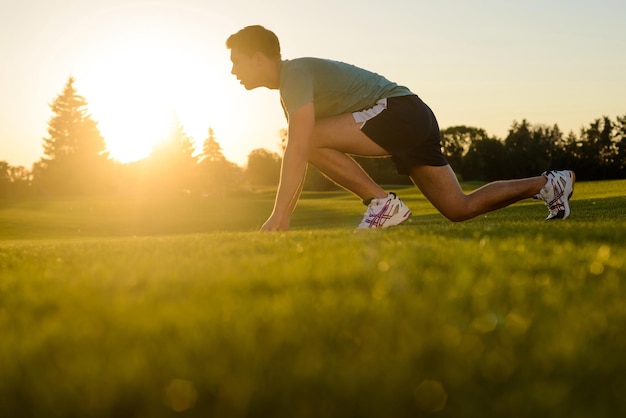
132, 116
139, 80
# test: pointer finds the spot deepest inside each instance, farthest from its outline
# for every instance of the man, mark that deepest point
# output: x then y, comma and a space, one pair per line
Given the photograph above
335, 110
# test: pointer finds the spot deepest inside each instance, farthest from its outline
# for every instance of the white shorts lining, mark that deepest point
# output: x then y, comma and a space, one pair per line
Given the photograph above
363, 116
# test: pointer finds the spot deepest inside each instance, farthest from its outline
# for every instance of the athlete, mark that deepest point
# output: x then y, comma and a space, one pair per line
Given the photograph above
335, 110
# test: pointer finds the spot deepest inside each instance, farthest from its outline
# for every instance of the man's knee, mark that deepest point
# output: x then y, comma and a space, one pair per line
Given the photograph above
456, 210
460, 211
457, 216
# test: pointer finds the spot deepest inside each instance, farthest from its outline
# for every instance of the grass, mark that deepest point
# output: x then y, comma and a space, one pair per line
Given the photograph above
147, 308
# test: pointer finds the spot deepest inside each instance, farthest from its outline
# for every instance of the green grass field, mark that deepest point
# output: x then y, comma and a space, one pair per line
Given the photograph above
140, 307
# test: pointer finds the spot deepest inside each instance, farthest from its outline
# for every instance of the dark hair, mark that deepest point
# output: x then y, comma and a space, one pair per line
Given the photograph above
253, 39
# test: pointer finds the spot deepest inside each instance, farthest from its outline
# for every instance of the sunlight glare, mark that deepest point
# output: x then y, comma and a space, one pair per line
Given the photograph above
136, 87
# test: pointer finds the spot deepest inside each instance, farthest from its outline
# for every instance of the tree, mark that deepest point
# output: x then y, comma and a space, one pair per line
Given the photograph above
598, 150
485, 160
216, 174
456, 141
20, 179
284, 137
620, 139
5, 181
263, 168
14, 180
76, 161
211, 149
565, 152
172, 165
529, 149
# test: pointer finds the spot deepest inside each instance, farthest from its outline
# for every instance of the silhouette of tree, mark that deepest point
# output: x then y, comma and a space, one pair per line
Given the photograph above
217, 175
20, 179
456, 141
598, 150
5, 180
284, 136
172, 163
76, 161
485, 160
211, 149
620, 140
263, 168
14, 181
529, 149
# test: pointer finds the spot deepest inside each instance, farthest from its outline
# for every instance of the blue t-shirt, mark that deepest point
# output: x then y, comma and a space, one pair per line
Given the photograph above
334, 87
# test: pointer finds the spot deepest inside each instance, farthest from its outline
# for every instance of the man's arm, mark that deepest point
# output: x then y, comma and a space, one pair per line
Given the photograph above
301, 124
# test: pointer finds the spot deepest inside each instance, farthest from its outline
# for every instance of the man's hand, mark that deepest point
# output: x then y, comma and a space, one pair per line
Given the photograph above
276, 223
293, 168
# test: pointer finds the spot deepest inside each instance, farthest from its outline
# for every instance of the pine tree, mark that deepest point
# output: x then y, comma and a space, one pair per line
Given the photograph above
211, 149
172, 162
76, 161
217, 175
176, 149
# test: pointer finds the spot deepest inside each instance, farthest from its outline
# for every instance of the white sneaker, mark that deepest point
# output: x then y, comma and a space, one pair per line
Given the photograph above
385, 212
557, 192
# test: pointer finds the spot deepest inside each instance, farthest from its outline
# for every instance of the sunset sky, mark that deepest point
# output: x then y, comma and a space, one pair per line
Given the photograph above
482, 63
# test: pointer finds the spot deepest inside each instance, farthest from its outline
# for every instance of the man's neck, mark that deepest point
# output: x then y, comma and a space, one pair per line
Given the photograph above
274, 76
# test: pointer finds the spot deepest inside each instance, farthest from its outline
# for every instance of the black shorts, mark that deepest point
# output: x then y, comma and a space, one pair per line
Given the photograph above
405, 127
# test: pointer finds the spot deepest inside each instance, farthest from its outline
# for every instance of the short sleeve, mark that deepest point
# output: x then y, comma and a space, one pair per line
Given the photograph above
296, 87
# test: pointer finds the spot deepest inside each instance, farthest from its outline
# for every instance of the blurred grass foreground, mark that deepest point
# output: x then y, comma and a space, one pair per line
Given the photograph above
160, 309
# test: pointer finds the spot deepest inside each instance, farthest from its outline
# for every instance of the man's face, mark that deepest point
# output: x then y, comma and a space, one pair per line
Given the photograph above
246, 69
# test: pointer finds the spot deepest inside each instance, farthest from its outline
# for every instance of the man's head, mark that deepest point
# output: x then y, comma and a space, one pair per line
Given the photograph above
255, 54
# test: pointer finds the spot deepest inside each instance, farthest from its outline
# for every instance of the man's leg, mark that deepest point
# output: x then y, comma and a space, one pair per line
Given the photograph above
337, 136
334, 139
441, 187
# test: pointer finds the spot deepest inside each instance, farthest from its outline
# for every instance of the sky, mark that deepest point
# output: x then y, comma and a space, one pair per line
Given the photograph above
140, 64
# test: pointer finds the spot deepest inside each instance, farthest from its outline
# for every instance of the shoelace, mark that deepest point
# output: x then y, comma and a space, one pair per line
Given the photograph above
559, 190
376, 217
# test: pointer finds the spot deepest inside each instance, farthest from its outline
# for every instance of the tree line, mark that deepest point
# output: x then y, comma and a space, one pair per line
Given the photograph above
76, 162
